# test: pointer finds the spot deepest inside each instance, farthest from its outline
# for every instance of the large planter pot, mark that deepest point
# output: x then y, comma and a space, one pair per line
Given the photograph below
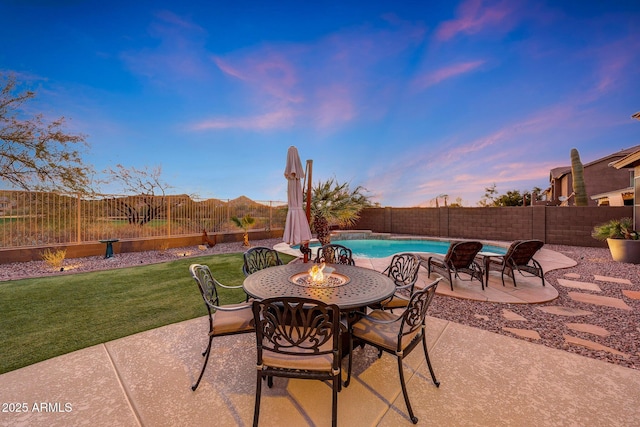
624, 250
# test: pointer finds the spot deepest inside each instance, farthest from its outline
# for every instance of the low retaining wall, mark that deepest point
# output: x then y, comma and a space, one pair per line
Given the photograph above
560, 225
134, 245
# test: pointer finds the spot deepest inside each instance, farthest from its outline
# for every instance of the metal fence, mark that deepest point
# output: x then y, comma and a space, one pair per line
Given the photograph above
37, 218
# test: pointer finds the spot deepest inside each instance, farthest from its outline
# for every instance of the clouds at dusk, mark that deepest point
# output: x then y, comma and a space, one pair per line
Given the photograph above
451, 71
475, 16
410, 100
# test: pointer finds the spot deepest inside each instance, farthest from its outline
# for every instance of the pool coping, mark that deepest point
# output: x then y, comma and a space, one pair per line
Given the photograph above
345, 235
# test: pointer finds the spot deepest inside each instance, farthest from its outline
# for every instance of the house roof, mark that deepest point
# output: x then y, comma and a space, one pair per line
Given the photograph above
612, 193
613, 156
559, 172
629, 161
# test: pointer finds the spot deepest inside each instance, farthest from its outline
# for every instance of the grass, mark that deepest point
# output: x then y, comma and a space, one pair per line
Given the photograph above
49, 316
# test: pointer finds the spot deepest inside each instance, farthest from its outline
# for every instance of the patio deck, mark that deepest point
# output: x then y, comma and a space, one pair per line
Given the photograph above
486, 379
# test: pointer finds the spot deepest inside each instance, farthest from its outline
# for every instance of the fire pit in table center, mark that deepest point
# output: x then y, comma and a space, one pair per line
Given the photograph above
319, 276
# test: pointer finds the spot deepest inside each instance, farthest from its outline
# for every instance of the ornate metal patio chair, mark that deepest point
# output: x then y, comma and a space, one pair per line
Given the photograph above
258, 258
230, 319
334, 254
403, 270
397, 334
297, 338
460, 258
519, 257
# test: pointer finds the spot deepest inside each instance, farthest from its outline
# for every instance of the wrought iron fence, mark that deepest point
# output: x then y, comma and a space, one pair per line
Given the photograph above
38, 218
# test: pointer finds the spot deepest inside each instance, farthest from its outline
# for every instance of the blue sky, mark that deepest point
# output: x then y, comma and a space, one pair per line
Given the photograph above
408, 99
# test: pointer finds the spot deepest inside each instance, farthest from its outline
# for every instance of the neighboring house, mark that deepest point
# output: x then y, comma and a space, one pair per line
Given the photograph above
600, 180
632, 161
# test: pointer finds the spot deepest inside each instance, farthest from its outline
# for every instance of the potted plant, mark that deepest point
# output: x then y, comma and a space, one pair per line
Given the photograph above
623, 240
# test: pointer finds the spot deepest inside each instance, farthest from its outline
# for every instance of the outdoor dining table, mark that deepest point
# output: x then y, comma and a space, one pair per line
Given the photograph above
352, 288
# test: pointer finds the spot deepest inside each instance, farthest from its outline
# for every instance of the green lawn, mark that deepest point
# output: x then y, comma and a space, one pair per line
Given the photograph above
46, 317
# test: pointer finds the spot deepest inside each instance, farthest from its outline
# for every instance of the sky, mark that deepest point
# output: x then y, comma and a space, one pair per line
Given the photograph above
408, 99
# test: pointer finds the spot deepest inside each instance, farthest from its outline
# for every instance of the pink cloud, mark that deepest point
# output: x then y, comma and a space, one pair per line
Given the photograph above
549, 119
269, 72
473, 17
469, 186
334, 106
614, 63
176, 21
325, 82
494, 155
430, 79
273, 120
228, 69
521, 171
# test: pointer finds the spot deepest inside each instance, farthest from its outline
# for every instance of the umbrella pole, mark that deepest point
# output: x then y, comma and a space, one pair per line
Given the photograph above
309, 168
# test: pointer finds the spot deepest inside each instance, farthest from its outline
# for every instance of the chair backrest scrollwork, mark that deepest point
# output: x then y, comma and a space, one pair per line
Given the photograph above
207, 284
415, 314
258, 258
297, 326
403, 269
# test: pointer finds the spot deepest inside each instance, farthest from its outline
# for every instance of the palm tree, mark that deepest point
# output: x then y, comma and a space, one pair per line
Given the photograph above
244, 223
333, 203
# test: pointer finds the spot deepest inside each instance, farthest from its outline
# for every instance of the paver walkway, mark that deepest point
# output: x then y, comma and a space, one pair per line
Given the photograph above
530, 291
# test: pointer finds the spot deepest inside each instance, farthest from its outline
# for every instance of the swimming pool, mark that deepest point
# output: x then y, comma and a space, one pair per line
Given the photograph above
382, 248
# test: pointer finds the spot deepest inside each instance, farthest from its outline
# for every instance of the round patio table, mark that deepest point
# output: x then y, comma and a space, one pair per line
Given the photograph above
354, 287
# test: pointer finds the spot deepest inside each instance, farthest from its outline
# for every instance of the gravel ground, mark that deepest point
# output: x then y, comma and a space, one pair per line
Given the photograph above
623, 325
22, 270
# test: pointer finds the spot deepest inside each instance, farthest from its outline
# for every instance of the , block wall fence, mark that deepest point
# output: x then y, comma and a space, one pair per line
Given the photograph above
559, 225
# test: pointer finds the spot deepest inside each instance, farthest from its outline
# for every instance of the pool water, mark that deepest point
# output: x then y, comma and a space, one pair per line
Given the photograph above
374, 248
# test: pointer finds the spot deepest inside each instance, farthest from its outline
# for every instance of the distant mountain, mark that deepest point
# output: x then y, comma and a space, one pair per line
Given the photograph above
243, 201
239, 201
213, 202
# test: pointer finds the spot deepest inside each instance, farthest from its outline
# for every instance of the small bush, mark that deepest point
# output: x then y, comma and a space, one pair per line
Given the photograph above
54, 259
615, 229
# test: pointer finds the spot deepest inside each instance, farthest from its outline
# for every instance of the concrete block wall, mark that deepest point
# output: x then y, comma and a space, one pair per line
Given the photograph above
562, 225
573, 225
489, 223
374, 219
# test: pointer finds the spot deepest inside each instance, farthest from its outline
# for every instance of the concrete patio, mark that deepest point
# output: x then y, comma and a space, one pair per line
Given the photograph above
486, 379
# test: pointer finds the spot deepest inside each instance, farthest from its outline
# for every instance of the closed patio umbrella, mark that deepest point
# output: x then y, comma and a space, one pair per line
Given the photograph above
296, 228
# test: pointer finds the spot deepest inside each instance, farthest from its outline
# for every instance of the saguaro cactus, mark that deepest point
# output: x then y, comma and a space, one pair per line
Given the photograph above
577, 172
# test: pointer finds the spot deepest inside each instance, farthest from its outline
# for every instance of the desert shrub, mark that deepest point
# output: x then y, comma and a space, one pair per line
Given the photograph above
55, 259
